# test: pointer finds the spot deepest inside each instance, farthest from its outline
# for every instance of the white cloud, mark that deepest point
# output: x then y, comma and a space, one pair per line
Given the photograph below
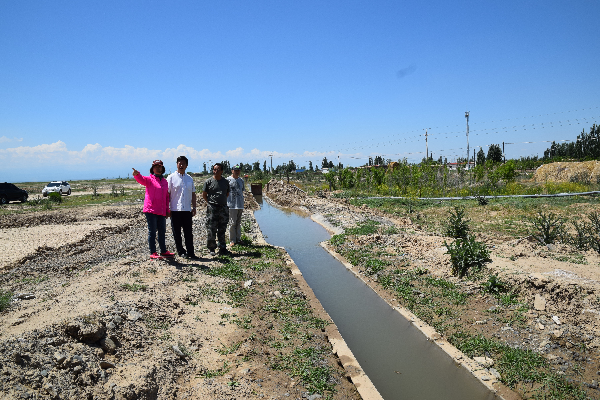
4, 139
94, 155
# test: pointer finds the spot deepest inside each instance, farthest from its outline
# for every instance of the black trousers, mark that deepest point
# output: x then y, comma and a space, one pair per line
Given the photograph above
182, 220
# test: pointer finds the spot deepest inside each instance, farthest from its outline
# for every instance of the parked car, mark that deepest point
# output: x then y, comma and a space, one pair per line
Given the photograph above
61, 187
9, 192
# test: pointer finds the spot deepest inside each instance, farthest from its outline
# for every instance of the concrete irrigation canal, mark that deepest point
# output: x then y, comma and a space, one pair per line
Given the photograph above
399, 359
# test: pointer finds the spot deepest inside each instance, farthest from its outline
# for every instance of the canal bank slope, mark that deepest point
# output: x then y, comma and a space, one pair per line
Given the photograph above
552, 312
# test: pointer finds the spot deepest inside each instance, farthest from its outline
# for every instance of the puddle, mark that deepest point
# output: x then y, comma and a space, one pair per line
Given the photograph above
398, 358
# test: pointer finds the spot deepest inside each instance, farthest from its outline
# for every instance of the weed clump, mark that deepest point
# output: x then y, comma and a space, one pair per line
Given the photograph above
458, 224
467, 254
494, 285
5, 299
548, 227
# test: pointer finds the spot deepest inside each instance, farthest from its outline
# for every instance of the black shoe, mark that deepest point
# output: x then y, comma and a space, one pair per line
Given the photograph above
223, 252
182, 254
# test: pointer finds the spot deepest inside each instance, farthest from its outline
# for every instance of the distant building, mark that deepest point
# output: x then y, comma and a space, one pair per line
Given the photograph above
454, 166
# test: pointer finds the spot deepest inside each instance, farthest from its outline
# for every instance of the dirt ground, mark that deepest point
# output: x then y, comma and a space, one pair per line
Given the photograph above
93, 317
562, 293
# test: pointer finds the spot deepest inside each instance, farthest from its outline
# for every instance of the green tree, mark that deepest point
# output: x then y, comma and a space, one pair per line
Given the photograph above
346, 179
310, 166
480, 157
330, 178
291, 166
325, 163
494, 153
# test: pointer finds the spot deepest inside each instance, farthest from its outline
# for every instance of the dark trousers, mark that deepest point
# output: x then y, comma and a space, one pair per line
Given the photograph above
156, 223
182, 220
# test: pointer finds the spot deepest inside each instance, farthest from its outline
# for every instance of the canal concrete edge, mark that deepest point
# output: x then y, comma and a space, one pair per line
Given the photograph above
354, 372
501, 391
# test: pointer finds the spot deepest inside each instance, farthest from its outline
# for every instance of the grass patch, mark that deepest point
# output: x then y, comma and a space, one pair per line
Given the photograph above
309, 366
134, 287
212, 373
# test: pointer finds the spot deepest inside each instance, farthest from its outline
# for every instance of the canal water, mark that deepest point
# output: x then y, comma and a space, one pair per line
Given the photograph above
397, 357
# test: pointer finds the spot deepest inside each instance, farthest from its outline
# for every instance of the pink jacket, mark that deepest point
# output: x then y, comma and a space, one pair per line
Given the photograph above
157, 194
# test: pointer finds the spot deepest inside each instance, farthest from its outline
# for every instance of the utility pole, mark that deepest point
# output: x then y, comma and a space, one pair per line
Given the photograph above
504, 154
271, 155
467, 117
426, 146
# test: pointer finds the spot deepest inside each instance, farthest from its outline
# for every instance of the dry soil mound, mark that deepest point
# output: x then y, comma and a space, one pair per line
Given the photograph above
586, 171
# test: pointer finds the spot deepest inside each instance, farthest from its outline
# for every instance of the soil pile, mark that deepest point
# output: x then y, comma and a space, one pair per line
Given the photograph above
586, 171
286, 195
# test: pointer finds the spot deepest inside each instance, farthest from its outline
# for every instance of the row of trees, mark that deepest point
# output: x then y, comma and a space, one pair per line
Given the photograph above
422, 180
586, 147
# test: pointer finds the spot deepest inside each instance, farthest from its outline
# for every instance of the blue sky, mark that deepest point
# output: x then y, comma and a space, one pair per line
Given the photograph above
90, 89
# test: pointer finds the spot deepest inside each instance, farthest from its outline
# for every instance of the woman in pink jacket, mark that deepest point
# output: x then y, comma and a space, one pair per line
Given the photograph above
156, 207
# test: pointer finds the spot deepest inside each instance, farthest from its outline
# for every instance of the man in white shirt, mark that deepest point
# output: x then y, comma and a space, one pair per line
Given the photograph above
182, 201
235, 202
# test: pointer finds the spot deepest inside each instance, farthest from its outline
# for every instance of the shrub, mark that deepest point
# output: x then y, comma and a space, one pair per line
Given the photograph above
594, 231
581, 238
548, 227
466, 254
458, 225
482, 200
55, 197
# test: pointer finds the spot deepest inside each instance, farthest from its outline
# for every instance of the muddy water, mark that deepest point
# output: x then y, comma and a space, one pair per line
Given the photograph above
399, 360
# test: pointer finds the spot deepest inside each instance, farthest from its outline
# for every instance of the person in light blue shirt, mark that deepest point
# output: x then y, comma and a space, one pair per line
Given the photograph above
235, 202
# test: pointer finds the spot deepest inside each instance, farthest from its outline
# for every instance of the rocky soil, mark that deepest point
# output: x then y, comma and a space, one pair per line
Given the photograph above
91, 316
561, 294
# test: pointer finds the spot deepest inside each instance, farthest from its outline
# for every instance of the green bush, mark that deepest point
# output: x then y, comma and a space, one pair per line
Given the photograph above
55, 197
5, 299
482, 200
548, 227
467, 254
458, 225
346, 178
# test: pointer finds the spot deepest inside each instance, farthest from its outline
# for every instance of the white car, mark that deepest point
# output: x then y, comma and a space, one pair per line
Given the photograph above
61, 187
